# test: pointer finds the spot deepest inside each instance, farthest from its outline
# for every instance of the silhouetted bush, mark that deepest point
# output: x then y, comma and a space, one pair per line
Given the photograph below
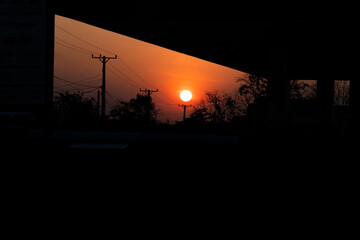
72, 110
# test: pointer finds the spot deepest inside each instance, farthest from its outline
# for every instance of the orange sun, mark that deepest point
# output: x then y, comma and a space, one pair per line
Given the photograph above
186, 95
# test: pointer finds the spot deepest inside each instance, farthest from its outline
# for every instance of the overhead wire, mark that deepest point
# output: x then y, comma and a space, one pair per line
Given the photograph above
140, 86
112, 97
71, 45
130, 69
121, 60
74, 83
84, 89
162, 101
72, 48
69, 84
90, 91
104, 50
83, 50
78, 90
125, 78
91, 79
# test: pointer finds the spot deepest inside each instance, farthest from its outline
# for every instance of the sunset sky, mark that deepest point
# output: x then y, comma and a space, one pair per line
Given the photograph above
138, 65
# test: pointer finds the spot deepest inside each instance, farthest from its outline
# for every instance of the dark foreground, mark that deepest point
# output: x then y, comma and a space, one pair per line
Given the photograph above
136, 159
133, 179
152, 146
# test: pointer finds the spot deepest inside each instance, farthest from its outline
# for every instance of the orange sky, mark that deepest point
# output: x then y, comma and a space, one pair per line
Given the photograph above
139, 65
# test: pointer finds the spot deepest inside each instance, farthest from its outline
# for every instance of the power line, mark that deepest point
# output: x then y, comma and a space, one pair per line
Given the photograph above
72, 48
103, 50
126, 76
130, 82
162, 94
85, 89
71, 83
83, 50
75, 46
112, 97
157, 98
74, 83
90, 91
82, 92
90, 79
142, 79
134, 83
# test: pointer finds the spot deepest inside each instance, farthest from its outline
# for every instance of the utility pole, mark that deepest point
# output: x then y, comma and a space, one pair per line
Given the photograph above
104, 60
148, 92
184, 106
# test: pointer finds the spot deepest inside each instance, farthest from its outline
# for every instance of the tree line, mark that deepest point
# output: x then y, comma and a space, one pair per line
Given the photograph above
245, 105
75, 111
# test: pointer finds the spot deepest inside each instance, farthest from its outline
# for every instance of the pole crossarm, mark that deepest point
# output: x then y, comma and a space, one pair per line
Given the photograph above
183, 105
148, 91
101, 58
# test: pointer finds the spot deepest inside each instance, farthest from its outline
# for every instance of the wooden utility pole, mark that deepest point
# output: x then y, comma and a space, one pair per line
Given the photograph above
148, 92
104, 60
184, 106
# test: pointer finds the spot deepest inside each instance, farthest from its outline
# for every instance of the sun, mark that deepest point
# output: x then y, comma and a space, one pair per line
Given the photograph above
186, 95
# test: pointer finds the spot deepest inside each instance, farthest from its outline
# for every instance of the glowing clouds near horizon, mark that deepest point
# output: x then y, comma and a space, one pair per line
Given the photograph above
186, 95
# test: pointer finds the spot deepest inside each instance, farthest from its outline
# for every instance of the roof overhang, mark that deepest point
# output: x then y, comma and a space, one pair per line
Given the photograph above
315, 37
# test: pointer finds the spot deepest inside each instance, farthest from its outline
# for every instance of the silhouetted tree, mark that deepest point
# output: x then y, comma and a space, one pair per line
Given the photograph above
217, 109
253, 91
200, 114
252, 87
73, 110
302, 89
250, 99
217, 115
139, 110
341, 93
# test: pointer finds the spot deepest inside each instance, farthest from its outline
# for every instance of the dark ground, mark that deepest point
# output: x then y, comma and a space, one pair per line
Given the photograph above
172, 184
150, 146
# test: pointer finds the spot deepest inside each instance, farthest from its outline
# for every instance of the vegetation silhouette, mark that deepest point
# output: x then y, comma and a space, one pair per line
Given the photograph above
74, 111
139, 111
341, 93
245, 109
217, 110
241, 112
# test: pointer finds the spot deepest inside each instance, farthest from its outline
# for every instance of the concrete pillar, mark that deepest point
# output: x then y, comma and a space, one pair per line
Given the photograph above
278, 91
325, 100
354, 107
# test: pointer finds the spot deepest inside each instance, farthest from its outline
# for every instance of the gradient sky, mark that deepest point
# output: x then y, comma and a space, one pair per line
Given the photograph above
139, 65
